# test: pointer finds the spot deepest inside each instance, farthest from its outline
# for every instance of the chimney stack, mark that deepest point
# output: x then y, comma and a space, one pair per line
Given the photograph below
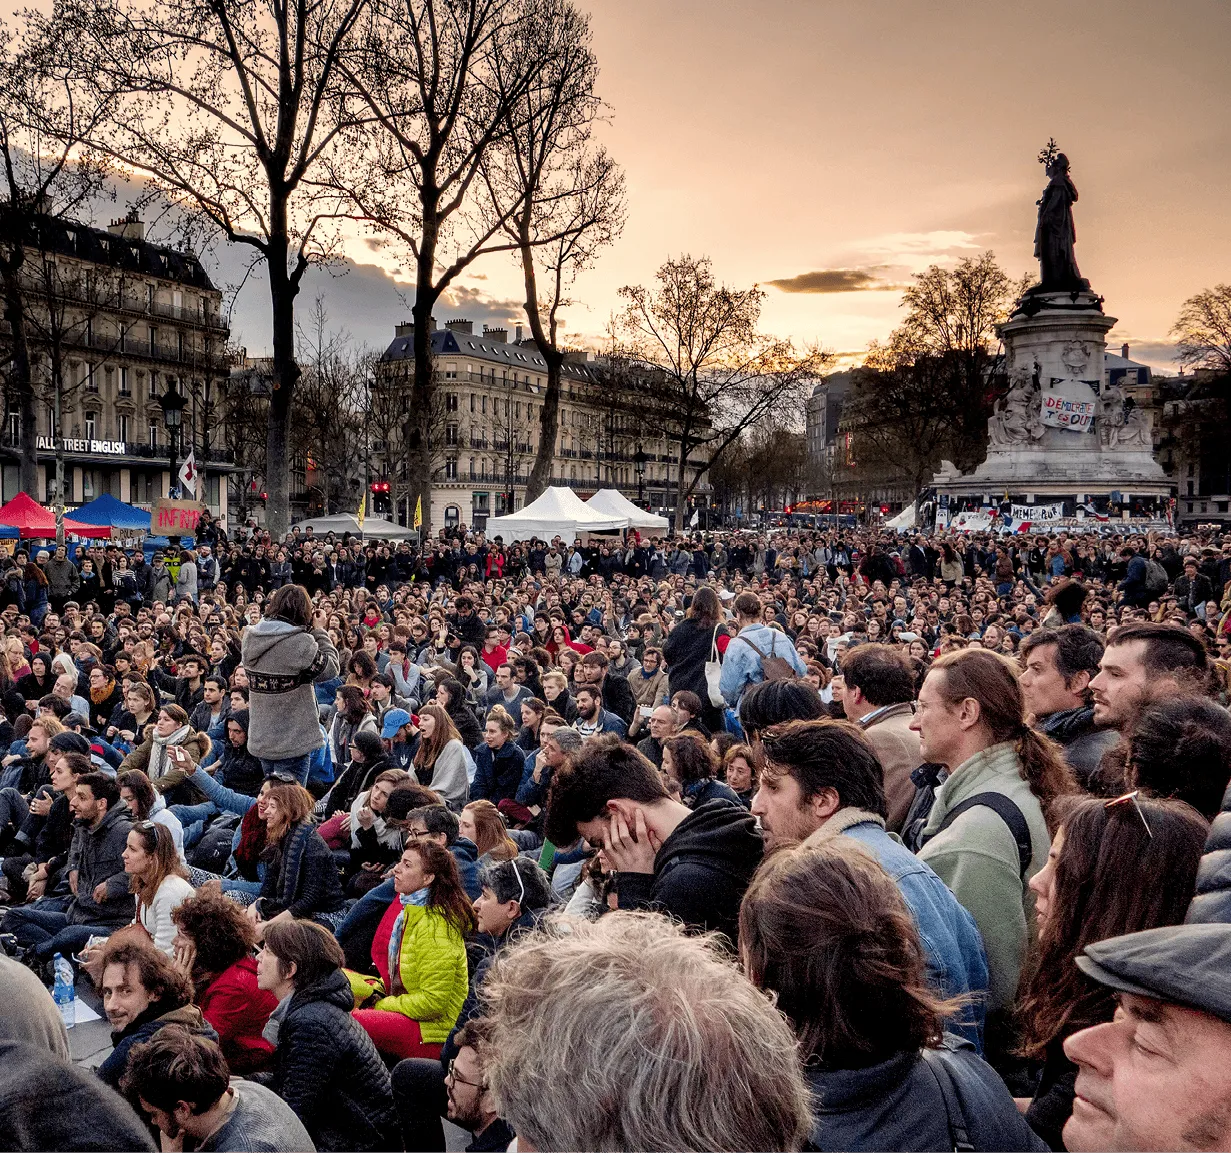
1124, 351
497, 335
519, 334
129, 227
463, 326
406, 328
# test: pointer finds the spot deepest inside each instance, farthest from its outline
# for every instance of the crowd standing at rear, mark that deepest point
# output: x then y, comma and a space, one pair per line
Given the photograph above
833, 840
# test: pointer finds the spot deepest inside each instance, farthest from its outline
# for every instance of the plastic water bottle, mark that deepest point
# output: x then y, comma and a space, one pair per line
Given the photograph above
65, 992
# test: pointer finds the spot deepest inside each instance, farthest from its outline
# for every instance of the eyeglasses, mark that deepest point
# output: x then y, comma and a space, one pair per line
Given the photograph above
451, 1074
1136, 805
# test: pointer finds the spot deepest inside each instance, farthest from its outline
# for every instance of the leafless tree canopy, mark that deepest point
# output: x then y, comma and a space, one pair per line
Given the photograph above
1203, 330
716, 374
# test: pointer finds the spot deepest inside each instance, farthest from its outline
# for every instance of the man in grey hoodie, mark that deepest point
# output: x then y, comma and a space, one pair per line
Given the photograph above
284, 655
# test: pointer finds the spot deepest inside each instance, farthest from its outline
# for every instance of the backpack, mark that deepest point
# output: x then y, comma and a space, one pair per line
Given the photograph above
1156, 578
1007, 810
773, 668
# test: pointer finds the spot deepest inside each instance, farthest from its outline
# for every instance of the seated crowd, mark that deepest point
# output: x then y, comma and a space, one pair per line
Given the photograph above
815, 860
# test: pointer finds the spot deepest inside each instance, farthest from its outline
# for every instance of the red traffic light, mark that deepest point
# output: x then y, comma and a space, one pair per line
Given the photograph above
379, 486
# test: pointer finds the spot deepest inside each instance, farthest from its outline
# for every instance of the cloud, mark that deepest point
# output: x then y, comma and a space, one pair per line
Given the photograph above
835, 280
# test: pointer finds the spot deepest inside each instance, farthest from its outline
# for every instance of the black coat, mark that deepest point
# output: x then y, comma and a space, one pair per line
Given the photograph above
701, 870
327, 1069
687, 648
898, 1104
618, 697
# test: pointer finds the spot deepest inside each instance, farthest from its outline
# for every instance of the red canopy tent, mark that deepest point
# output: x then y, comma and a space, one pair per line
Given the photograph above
31, 519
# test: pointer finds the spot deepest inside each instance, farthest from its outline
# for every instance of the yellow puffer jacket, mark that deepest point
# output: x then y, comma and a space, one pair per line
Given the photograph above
432, 971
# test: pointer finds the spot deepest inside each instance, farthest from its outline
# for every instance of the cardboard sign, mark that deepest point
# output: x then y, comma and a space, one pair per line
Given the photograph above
1069, 404
175, 517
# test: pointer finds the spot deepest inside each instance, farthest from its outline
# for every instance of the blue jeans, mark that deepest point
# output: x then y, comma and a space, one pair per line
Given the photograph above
359, 926
45, 925
194, 818
298, 767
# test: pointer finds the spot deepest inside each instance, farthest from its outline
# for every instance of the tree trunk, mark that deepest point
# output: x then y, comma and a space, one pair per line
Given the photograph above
549, 413
423, 386
679, 486
286, 373
20, 379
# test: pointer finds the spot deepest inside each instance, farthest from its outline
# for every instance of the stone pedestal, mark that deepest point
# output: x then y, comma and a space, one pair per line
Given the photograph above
1063, 430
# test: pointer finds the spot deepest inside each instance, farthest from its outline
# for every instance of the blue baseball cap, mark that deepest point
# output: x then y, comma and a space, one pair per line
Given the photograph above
394, 720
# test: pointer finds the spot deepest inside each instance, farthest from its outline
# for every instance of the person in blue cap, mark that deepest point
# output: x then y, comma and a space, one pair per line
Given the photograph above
400, 736
1157, 1076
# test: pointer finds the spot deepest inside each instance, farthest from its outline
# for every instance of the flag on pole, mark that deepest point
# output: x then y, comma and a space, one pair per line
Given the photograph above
188, 475
418, 513
363, 506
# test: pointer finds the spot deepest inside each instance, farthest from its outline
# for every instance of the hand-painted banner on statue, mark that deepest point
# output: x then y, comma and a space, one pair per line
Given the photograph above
972, 521
1037, 513
1068, 404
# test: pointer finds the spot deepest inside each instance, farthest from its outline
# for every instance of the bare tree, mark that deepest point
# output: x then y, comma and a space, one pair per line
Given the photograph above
1203, 330
231, 109
442, 79
48, 177
566, 195
716, 374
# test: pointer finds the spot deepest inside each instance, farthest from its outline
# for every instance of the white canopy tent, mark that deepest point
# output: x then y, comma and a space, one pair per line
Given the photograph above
904, 520
374, 527
557, 512
612, 502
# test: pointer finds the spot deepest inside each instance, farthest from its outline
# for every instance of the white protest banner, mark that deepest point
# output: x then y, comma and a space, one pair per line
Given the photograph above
1070, 404
1037, 513
971, 521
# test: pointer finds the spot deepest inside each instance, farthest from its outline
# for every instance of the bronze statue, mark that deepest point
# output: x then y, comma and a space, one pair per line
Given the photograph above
1055, 235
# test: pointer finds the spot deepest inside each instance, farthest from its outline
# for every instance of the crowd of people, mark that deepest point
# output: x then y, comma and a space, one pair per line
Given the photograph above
807, 840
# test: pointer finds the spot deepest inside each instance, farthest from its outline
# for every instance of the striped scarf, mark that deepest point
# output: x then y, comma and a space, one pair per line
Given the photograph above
418, 897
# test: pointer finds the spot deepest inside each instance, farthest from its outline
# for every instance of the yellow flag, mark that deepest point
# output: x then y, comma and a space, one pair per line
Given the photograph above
363, 505
419, 512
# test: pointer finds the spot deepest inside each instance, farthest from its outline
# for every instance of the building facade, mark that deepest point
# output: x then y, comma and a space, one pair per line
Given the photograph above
489, 398
114, 323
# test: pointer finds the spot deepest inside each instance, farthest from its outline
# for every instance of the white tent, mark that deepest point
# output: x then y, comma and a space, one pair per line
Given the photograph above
557, 512
612, 502
374, 528
904, 520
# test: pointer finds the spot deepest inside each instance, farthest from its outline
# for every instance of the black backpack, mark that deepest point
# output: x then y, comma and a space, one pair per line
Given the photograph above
213, 850
1005, 808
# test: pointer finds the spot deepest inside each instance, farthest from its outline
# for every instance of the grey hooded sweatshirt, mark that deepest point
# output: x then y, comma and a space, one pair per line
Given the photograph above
283, 662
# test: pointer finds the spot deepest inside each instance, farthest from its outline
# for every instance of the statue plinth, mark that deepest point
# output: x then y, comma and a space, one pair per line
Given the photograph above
1062, 429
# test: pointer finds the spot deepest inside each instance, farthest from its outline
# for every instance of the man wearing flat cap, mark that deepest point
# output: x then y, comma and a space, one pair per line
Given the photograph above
1158, 1075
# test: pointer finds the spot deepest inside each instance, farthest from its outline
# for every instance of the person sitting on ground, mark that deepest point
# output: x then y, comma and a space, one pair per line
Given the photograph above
374, 844
693, 864
145, 804
1181, 748
301, 879
182, 1082
739, 767
158, 881
484, 824
1158, 1074
213, 947
499, 761
592, 719
661, 726
420, 955
325, 1066
440, 763
820, 780
690, 771
1115, 867
775, 702
827, 932
644, 1087
143, 992
514, 898
169, 754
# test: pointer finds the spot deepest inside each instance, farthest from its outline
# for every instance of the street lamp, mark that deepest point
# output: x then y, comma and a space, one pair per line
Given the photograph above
172, 405
639, 468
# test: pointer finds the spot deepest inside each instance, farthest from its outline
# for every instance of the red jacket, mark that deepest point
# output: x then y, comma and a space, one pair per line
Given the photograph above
238, 1011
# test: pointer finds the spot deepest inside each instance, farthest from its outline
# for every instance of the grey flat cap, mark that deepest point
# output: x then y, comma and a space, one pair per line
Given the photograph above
1185, 964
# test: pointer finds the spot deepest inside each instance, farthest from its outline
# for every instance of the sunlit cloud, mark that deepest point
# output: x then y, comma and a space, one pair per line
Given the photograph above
825, 280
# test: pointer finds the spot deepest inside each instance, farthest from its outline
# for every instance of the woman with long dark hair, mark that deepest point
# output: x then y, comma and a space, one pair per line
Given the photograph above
157, 879
419, 951
1115, 867
301, 878
460, 712
440, 761
353, 716
826, 930
696, 639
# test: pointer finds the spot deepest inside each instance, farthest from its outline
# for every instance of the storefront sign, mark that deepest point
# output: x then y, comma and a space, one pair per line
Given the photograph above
1037, 513
175, 517
69, 444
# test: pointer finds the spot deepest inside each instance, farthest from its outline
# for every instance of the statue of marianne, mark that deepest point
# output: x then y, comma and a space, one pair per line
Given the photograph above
1055, 235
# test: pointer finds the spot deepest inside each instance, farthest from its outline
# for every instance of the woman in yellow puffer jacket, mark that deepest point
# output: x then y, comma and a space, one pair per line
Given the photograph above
420, 953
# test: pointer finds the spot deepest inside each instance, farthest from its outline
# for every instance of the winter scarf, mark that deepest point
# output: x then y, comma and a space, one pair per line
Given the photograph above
97, 696
418, 897
158, 750
252, 830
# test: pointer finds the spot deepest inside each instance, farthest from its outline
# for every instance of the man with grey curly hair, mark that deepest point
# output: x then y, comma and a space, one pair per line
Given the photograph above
646, 1038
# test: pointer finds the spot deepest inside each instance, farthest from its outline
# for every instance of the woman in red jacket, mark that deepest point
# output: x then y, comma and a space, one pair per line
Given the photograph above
213, 946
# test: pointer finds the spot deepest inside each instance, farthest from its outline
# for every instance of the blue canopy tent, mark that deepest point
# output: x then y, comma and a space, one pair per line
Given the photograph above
106, 510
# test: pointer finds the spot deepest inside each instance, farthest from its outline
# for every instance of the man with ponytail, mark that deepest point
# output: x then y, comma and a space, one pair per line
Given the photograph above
988, 833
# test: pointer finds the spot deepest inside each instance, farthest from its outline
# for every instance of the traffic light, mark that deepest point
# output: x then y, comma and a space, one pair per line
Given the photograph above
380, 496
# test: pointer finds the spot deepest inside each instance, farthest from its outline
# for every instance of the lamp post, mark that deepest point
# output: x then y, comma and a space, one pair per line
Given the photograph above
639, 468
172, 405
